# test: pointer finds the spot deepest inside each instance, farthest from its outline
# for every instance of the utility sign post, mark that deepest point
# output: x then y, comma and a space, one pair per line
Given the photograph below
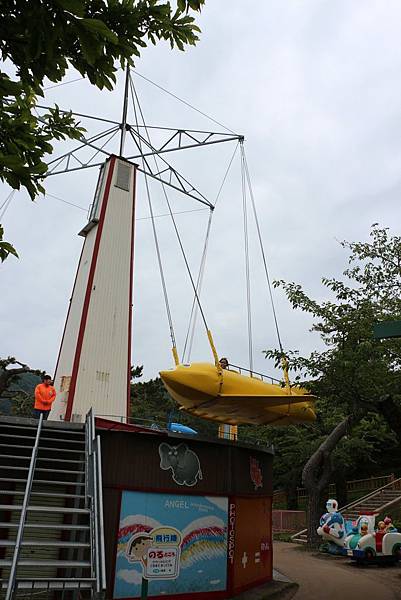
386, 330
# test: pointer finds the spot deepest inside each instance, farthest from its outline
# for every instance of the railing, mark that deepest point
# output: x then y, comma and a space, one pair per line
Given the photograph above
288, 521
395, 484
262, 376
242, 436
94, 500
135, 420
354, 485
24, 509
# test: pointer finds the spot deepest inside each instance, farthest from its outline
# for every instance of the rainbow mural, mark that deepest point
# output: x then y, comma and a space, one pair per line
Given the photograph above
202, 524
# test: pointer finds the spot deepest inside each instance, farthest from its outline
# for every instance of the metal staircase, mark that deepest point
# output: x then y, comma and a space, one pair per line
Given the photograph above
51, 511
377, 502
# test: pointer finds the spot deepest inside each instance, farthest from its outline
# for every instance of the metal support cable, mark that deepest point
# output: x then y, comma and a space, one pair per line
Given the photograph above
157, 246
159, 260
135, 95
6, 204
262, 250
194, 310
181, 100
246, 251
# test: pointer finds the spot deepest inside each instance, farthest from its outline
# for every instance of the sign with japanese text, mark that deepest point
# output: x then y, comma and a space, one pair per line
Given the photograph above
158, 551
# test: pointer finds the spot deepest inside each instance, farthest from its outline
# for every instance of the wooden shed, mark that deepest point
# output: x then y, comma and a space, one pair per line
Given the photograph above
192, 516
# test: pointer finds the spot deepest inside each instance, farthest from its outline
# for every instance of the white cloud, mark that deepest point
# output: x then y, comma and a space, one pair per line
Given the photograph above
315, 89
142, 519
130, 576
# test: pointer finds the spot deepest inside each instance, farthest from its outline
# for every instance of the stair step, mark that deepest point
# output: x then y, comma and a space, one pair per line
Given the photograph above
28, 457
69, 460
14, 468
46, 509
49, 482
45, 544
42, 583
15, 446
59, 471
46, 481
27, 562
45, 439
60, 526
19, 437
63, 450
47, 494
59, 440
33, 427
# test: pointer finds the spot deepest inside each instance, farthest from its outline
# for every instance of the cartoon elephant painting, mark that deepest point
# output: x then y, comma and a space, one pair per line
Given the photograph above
183, 462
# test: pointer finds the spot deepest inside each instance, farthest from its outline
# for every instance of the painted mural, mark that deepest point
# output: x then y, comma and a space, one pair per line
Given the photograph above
178, 543
183, 463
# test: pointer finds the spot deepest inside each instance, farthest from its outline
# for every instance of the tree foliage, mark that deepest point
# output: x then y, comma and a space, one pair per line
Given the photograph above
151, 403
355, 377
5, 247
42, 39
11, 387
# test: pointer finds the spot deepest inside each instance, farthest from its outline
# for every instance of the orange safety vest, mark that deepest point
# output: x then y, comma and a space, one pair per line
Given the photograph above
44, 396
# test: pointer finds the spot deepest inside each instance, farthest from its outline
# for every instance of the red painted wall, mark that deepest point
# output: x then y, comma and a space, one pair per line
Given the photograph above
251, 563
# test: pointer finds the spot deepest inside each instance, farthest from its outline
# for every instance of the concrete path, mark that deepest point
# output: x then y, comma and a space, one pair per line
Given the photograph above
332, 578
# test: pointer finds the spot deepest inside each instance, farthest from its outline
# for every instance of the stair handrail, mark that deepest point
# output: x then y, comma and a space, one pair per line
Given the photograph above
102, 554
373, 493
358, 501
24, 509
94, 491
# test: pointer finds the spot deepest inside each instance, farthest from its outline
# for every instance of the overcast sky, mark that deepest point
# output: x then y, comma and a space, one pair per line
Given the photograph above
315, 87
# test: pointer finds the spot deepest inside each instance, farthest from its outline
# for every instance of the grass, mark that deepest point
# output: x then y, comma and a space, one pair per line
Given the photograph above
282, 537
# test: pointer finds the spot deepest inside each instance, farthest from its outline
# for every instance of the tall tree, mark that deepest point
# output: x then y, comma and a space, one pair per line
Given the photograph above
10, 376
11, 373
42, 39
355, 376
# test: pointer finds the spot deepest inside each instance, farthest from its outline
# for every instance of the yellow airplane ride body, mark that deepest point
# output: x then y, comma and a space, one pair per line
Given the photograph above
226, 396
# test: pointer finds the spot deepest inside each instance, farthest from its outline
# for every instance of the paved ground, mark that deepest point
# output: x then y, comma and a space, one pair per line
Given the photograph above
331, 578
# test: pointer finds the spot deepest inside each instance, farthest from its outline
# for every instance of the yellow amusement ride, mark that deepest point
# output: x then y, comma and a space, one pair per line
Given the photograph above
217, 390
233, 395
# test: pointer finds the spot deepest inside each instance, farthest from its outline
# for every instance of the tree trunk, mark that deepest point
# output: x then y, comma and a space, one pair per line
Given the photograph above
391, 411
316, 475
314, 511
8, 375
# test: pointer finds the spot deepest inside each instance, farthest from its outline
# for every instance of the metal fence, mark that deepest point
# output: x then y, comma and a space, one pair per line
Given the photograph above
353, 486
288, 521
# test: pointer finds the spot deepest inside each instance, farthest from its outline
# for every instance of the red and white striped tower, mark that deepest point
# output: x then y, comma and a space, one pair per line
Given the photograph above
94, 361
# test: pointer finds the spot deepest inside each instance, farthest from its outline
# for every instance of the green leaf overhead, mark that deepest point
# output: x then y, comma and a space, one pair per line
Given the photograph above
96, 37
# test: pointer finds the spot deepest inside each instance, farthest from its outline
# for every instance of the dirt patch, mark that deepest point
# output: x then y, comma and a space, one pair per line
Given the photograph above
335, 578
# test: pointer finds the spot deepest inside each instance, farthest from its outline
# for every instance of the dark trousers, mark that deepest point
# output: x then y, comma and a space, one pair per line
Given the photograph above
37, 412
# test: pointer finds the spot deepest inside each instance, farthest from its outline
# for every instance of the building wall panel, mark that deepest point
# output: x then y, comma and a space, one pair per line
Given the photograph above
252, 557
92, 369
102, 373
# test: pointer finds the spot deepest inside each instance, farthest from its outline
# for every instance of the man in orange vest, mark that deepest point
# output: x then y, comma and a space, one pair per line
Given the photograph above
45, 395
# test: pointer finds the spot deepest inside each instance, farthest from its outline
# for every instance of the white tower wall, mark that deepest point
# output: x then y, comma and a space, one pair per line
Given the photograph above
93, 367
